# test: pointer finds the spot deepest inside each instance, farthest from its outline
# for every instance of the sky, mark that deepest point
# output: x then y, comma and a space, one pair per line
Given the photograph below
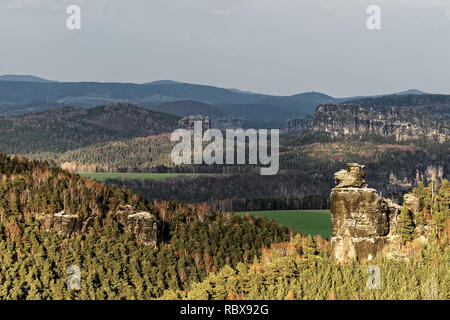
279, 47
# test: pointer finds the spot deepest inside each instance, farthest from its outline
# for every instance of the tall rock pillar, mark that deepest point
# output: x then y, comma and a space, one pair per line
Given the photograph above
360, 217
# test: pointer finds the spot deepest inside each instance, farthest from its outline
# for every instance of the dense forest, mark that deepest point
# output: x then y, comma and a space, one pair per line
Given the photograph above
303, 269
34, 261
306, 175
238, 192
293, 271
203, 254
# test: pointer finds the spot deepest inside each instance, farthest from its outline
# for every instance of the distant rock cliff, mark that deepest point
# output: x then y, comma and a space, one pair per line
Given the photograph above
399, 122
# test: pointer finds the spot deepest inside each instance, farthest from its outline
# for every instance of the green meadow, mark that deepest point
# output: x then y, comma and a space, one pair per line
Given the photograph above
306, 222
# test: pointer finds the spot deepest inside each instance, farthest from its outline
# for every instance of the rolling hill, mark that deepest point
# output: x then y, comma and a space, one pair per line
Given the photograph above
63, 129
23, 78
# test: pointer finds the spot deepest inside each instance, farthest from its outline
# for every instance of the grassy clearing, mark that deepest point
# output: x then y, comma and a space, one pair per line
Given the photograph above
102, 176
306, 222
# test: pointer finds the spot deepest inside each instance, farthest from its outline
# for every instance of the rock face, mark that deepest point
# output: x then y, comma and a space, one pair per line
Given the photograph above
400, 122
412, 203
64, 224
145, 226
363, 223
353, 120
354, 176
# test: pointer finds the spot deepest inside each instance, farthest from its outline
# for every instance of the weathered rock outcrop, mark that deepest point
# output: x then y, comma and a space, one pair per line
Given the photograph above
363, 223
354, 176
402, 123
412, 203
64, 224
144, 225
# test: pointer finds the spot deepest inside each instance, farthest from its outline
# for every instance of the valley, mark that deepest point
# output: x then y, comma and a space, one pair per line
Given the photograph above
223, 159
95, 187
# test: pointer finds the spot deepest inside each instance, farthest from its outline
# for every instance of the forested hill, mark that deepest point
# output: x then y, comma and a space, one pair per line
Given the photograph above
63, 129
51, 219
188, 107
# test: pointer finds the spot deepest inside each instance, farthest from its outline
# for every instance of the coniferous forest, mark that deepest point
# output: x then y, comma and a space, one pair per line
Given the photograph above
215, 159
202, 254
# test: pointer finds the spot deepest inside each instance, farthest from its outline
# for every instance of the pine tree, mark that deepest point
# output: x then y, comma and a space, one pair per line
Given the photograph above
405, 225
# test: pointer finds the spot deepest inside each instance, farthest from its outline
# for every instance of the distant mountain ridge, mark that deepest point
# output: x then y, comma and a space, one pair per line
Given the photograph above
17, 93
411, 91
23, 78
23, 94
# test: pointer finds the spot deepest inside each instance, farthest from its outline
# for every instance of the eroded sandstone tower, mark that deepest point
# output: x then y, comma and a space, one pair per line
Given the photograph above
364, 224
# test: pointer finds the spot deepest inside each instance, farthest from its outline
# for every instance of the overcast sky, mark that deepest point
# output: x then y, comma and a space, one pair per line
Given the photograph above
270, 46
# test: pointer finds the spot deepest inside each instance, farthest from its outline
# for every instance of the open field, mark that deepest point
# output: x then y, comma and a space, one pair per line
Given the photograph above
311, 222
103, 176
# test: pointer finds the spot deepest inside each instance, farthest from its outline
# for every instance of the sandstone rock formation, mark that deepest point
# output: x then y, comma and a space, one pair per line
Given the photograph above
354, 176
400, 122
363, 223
65, 224
412, 203
144, 225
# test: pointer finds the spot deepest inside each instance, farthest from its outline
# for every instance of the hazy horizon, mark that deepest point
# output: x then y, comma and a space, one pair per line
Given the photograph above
203, 84
281, 47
